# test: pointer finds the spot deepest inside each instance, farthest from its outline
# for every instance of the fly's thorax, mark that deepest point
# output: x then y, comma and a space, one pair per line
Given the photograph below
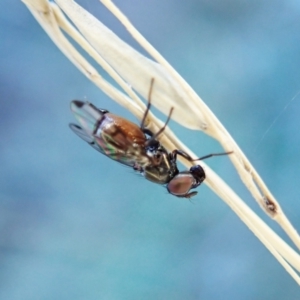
161, 168
159, 174
158, 155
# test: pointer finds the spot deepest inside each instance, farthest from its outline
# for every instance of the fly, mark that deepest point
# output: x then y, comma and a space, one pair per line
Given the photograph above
137, 147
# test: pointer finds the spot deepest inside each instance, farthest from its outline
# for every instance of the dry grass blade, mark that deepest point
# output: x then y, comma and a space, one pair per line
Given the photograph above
213, 127
170, 90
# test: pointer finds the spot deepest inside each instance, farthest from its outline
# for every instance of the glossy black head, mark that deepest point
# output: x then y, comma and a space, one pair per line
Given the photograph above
198, 174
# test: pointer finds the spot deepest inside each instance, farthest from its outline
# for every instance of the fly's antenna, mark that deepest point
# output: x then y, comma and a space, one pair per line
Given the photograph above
153, 136
148, 105
164, 127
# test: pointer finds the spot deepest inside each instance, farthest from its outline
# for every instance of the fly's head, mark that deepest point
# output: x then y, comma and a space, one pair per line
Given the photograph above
181, 184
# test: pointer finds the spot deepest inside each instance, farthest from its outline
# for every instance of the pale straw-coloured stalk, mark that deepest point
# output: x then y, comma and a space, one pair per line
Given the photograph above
129, 68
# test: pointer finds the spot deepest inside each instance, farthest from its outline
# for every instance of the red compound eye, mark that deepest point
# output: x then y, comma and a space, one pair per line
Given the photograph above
181, 184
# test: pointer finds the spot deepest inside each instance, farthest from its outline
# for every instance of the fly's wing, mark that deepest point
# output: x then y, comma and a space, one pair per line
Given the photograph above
92, 142
87, 138
88, 116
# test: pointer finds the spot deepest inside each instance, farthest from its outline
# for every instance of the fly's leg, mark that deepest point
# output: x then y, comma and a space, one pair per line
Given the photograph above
174, 153
137, 167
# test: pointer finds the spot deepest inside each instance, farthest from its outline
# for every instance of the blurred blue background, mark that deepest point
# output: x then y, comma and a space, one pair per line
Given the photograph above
76, 225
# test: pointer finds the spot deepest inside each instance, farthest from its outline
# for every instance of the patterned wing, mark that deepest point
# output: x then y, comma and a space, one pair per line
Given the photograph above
97, 146
87, 138
89, 116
